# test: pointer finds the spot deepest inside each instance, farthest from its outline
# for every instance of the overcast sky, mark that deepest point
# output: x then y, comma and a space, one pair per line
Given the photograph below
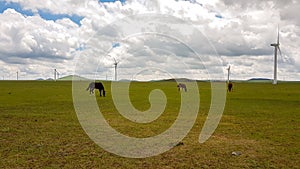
150, 39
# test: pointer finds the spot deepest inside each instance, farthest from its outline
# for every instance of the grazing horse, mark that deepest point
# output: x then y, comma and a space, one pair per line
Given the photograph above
182, 86
96, 85
229, 87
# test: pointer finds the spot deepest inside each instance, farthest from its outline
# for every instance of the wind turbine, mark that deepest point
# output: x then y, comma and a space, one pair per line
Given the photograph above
276, 49
56, 74
116, 65
228, 74
115, 45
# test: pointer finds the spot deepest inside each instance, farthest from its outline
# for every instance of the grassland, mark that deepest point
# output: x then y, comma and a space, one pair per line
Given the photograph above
39, 128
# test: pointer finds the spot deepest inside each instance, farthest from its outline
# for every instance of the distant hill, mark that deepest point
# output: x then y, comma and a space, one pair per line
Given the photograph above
259, 80
177, 79
72, 77
125, 80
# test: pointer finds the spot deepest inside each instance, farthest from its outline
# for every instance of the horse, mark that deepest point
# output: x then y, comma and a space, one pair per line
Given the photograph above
182, 86
229, 87
96, 85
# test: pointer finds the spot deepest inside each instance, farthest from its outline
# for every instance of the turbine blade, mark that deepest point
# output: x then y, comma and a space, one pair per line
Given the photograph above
280, 53
278, 36
279, 50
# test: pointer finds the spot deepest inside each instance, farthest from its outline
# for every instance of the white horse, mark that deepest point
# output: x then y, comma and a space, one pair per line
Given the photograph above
182, 86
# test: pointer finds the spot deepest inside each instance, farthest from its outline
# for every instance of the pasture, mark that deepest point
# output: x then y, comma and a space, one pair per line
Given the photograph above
39, 127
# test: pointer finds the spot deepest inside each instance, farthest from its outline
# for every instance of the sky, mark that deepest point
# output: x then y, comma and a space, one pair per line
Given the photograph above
158, 39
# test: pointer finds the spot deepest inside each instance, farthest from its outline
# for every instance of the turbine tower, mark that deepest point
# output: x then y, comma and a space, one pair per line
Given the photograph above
55, 74
228, 74
276, 49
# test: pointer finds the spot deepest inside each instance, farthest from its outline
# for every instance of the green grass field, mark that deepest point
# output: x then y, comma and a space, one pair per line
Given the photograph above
39, 128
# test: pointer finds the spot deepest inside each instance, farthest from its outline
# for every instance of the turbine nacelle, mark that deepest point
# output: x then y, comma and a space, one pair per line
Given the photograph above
274, 44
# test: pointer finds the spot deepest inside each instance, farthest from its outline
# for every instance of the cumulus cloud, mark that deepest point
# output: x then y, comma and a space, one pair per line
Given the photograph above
32, 37
240, 31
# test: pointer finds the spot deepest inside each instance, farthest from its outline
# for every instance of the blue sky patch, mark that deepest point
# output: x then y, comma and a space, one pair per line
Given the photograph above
116, 44
17, 7
112, 1
219, 16
44, 14
49, 16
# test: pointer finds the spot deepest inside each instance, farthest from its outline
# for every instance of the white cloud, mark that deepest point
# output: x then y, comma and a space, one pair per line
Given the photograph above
241, 32
32, 37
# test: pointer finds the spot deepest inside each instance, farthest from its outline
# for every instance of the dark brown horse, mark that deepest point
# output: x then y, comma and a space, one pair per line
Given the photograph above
96, 85
229, 87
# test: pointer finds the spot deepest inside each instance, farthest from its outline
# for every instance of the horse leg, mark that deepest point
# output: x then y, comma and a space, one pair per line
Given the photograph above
92, 91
